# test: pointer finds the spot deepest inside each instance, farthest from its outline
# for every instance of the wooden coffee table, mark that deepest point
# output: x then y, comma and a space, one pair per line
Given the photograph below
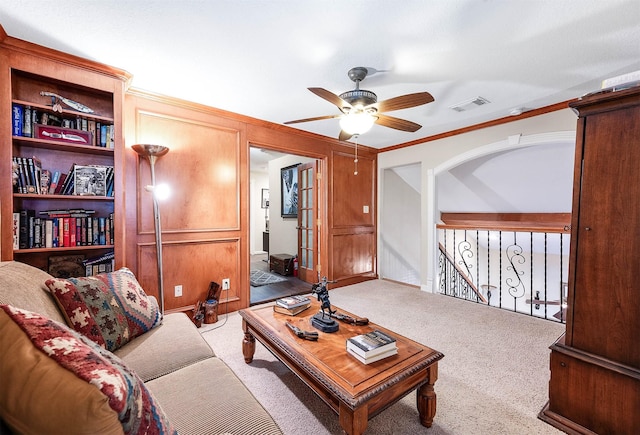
355, 391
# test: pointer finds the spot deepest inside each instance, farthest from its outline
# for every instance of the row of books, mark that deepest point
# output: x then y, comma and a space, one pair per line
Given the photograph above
76, 265
292, 305
61, 228
25, 122
85, 180
372, 346
100, 264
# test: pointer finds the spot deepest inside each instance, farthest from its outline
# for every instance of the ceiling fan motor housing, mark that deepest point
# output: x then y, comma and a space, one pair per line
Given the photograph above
359, 97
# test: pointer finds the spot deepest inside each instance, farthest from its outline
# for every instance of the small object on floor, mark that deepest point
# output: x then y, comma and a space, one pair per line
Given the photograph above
210, 311
307, 335
259, 277
198, 314
358, 321
214, 291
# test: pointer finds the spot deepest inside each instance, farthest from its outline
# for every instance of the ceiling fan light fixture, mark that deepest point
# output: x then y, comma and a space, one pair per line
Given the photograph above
356, 123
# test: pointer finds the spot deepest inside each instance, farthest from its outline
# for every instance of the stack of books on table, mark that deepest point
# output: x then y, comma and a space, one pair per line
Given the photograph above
372, 346
292, 305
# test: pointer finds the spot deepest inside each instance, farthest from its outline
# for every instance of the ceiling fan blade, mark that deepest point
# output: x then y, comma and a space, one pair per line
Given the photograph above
331, 97
397, 123
405, 101
317, 118
344, 136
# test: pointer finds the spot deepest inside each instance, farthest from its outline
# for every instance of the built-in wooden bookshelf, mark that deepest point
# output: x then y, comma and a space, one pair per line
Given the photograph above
50, 134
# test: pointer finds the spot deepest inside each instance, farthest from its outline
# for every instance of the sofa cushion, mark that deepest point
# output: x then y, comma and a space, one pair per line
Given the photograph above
22, 285
55, 380
208, 398
109, 308
169, 347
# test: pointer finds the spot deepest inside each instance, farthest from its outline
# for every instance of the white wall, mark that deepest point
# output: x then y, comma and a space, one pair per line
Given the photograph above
283, 235
258, 181
513, 181
444, 154
400, 259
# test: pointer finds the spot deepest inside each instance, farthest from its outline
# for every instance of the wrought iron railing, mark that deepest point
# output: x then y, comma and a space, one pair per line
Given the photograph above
521, 271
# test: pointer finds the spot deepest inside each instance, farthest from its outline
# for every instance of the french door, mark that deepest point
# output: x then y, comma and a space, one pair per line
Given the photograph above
308, 228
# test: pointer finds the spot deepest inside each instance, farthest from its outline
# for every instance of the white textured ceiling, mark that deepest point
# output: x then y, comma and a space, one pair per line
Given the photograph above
258, 57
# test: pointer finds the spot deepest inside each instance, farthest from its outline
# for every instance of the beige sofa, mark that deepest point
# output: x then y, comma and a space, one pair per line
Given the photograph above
197, 391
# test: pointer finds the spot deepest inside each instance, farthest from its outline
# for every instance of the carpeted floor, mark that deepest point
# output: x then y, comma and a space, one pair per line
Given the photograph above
492, 380
258, 278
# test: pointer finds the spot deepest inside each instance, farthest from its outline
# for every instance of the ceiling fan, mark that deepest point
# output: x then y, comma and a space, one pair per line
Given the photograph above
363, 109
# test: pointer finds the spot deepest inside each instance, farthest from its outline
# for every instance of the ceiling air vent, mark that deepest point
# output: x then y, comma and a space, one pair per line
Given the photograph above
469, 104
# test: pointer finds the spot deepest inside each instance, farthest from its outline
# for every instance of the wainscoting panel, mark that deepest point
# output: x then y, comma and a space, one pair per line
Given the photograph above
353, 196
201, 170
193, 265
352, 255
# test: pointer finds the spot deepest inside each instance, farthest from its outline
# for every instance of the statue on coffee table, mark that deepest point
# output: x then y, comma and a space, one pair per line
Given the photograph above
323, 320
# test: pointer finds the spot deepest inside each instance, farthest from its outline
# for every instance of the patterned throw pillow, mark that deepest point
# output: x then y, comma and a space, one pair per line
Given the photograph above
111, 309
57, 381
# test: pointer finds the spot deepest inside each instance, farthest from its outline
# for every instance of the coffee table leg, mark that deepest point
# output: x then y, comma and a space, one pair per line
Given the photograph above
248, 344
353, 422
426, 397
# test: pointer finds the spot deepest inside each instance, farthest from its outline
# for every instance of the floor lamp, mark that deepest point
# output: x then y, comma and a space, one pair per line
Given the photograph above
152, 152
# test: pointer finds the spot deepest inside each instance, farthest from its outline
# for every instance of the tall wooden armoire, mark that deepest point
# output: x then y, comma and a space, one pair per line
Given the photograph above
595, 366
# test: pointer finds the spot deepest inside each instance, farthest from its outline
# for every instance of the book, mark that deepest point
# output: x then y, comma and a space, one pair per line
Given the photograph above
66, 186
99, 264
293, 301
54, 182
90, 180
372, 343
290, 311
27, 122
45, 181
25, 215
16, 121
19, 182
61, 180
372, 358
16, 230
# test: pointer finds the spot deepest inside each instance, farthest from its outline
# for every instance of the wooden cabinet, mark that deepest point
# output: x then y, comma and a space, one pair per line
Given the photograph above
41, 89
595, 366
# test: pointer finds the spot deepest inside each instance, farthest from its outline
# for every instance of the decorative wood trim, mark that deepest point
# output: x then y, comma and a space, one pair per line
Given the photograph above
250, 121
504, 120
529, 222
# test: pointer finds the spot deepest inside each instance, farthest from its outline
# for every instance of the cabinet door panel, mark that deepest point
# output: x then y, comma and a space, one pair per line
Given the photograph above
607, 286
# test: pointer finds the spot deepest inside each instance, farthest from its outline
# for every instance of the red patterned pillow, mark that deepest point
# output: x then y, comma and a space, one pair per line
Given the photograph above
55, 379
110, 309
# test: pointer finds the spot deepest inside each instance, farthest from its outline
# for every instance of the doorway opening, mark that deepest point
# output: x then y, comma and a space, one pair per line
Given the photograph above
284, 232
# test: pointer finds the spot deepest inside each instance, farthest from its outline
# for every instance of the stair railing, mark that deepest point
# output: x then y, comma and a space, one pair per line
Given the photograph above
516, 262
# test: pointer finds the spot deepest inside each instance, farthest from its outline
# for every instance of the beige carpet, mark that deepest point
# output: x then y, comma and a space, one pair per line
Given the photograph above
493, 378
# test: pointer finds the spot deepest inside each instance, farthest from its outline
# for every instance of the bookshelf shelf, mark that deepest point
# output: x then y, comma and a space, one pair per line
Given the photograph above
63, 197
60, 146
63, 249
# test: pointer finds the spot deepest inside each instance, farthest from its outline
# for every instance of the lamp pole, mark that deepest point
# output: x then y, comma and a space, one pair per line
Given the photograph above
152, 152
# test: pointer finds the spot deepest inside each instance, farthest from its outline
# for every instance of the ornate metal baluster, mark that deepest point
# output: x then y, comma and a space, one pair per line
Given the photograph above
516, 288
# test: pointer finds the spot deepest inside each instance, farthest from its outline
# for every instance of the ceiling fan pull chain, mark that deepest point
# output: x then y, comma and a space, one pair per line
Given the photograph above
355, 161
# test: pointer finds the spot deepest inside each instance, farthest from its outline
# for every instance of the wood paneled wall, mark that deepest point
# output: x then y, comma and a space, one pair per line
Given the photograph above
205, 222
201, 220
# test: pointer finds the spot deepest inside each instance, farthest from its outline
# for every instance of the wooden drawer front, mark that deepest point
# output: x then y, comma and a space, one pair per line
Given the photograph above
593, 396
